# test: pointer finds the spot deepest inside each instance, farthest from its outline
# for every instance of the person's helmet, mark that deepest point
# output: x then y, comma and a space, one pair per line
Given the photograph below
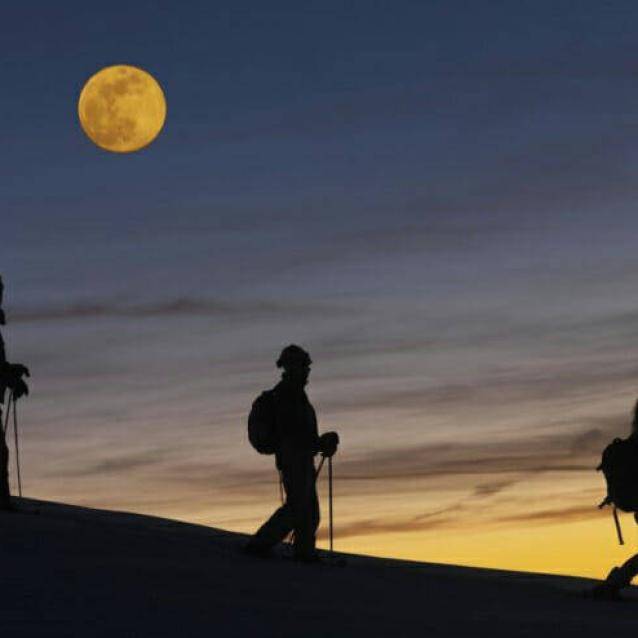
292, 355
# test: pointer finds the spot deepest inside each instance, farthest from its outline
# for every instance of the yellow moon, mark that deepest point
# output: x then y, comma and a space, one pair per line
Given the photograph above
122, 108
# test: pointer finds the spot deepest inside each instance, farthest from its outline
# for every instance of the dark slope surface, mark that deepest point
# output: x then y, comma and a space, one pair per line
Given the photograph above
71, 571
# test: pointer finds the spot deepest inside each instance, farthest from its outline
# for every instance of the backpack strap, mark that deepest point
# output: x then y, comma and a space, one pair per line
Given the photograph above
608, 501
621, 541
281, 488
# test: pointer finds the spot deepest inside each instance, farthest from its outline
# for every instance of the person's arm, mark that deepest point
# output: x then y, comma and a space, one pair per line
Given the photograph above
315, 432
11, 376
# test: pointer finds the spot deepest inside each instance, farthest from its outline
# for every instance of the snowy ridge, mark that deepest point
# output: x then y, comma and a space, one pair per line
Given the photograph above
72, 571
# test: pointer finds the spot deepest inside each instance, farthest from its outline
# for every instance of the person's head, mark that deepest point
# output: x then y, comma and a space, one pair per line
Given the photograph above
295, 362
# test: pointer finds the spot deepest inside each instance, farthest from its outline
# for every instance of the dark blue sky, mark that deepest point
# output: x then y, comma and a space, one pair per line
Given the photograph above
323, 118
436, 198
307, 98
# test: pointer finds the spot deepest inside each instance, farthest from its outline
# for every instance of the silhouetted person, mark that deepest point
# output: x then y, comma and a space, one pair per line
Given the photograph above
10, 379
620, 577
296, 443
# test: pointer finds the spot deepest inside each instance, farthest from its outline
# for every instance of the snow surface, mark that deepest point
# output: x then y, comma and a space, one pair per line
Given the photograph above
72, 571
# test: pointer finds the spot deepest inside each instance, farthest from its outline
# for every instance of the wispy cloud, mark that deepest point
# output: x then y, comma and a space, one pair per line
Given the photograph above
544, 383
454, 519
372, 527
556, 515
115, 464
171, 308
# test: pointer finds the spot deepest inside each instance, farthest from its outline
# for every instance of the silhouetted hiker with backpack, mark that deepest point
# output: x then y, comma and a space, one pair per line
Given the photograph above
620, 467
11, 378
282, 422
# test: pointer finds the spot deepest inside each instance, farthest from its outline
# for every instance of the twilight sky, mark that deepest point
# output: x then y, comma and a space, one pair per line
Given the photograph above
437, 199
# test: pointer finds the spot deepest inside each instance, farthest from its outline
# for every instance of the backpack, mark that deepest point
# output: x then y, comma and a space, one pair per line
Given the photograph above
619, 465
262, 423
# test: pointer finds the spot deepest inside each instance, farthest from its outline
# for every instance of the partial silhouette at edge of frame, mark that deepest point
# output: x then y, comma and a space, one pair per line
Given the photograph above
11, 380
620, 465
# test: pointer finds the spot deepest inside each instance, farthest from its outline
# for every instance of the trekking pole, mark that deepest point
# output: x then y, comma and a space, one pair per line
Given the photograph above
621, 540
17, 446
318, 470
330, 502
6, 420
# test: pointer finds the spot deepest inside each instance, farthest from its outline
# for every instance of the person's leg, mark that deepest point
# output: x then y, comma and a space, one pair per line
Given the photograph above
305, 509
5, 495
273, 531
278, 526
617, 579
623, 575
300, 512
315, 515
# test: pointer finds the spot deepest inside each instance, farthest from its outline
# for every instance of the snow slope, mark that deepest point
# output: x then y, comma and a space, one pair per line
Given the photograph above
71, 571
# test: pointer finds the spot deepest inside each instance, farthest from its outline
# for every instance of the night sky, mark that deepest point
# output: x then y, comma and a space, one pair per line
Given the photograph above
436, 199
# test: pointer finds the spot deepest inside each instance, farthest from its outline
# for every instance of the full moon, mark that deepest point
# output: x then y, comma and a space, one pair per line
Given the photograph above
122, 108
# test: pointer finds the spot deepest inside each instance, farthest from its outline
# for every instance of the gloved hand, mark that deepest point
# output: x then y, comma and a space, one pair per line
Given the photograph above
19, 389
15, 382
18, 370
328, 443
